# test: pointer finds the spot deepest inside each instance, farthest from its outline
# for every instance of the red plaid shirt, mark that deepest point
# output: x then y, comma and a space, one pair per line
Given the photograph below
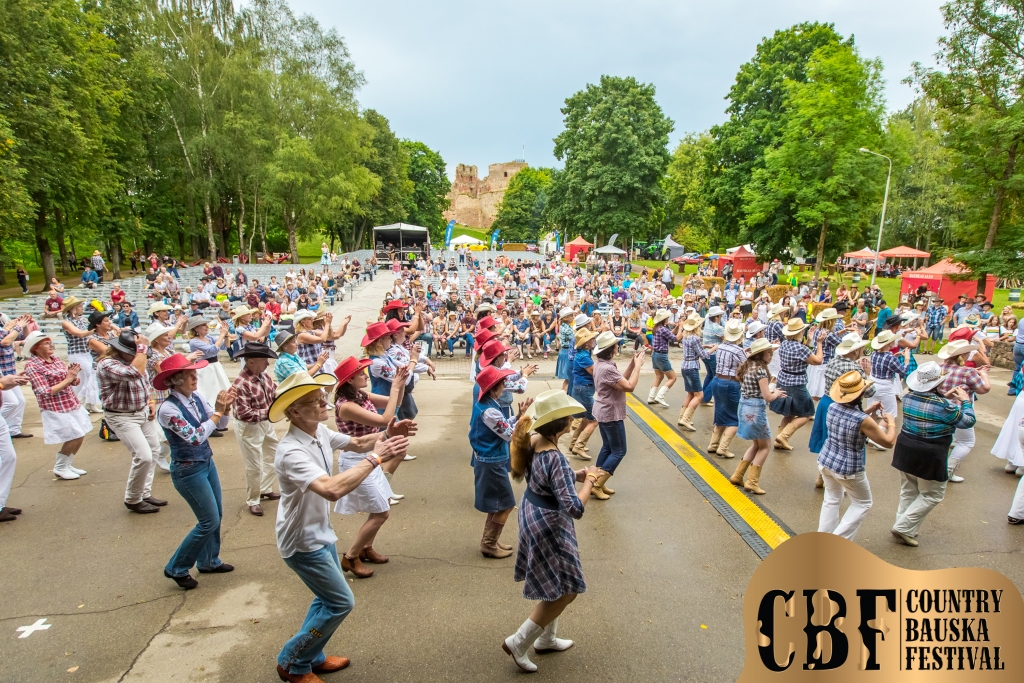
43, 375
123, 389
255, 393
961, 375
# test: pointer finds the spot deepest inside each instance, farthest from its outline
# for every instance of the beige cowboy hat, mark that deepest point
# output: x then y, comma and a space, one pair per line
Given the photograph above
157, 329
69, 303
240, 311
927, 376
34, 338
827, 314
692, 323
794, 327
195, 321
604, 340
583, 336
956, 348
760, 345
294, 387
157, 307
850, 343
661, 314
849, 386
775, 310
531, 411
882, 338
734, 330
303, 314
553, 405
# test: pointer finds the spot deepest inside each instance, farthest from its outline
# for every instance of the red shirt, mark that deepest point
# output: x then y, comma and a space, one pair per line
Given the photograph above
53, 304
117, 295
274, 309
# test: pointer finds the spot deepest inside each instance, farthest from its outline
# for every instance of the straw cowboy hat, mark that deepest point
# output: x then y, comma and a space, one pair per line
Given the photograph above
661, 314
374, 331
604, 340
956, 348
551, 406
827, 314
531, 411
715, 311
485, 307
69, 303
157, 307
583, 336
760, 345
240, 311
927, 376
293, 388
849, 387
883, 338
303, 314
973, 320
733, 331
489, 377
754, 328
794, 327
350, 367
194, 322
535, 312
157, 329
34, 338
692, 323
775, 310
564, 313
172, 365
581, 320
850, 343
96, 252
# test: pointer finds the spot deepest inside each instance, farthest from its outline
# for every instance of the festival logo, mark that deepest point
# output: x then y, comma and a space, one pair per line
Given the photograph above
821, 608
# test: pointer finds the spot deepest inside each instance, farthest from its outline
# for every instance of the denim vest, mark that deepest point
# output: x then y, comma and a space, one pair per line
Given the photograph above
487, 446
378, 385
181, 450
505, 400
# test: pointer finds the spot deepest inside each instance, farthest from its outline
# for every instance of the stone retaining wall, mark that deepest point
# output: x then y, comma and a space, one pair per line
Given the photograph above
1002, 355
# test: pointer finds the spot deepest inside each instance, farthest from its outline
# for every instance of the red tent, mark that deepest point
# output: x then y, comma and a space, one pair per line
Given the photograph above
577, 246
744, 263
904, 252
938, 279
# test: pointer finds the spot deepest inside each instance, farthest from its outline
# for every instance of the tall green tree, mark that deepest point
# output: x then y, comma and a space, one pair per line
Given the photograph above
615, 148
522, 212
817, 172
15, 205
688, 215
429, 199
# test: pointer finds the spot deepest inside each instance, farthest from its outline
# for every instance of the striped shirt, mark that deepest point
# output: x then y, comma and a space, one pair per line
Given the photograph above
78, 344
730, 357
928, 415
693, 351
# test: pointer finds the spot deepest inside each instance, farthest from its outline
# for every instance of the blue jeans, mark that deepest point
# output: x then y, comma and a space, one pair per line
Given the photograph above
469, 343
710, 364
199, 484
1018, 355
321, 571
613, 445
427, 339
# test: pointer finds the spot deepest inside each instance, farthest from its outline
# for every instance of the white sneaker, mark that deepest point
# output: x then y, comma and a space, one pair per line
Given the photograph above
409, 457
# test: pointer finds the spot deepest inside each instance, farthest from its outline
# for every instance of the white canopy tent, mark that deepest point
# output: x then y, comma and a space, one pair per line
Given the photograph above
609, 249
464, 239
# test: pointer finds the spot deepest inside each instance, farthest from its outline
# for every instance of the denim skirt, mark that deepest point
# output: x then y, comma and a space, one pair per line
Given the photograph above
563, 366
659, 361
819, 432
797, 403
492, 485
727, 400
584, 393
753, 419
691, 380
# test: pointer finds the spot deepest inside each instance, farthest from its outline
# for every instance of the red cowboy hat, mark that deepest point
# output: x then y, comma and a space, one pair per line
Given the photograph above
374, 331
394, 305
173, 364
485, 322
394, 325
488, 377
349, 367
492, 350
481, 338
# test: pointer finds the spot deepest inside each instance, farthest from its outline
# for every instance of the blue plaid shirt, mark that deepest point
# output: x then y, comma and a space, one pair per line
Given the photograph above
773, 332
793, 363
844, 452
7, 353
936, 314
693, 351
886, 365
928, 415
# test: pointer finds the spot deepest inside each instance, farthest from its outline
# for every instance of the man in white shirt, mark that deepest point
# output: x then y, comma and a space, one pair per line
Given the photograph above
303, 464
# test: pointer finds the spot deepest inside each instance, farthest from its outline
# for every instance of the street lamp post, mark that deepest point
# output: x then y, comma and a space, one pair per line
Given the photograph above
885, 201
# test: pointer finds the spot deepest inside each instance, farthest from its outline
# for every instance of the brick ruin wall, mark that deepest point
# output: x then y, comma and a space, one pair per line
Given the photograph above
475, 202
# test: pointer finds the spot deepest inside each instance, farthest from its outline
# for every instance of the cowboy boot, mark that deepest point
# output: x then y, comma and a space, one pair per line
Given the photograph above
503, 546
651, 394
61, 471
782, 438
574, 435
602, 483
751, 485
723, 447
597, 492
354, 565
741, 469
951, 468
518, 644
489, 542
579, 449
684, 419
660, 398
71, 466
819, 483
716, 436
368, 554
547, 642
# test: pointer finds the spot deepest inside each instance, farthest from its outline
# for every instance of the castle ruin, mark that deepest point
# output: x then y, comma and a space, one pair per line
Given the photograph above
475, 202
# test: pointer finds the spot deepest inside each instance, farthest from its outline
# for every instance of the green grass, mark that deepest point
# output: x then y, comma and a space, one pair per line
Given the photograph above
478, 233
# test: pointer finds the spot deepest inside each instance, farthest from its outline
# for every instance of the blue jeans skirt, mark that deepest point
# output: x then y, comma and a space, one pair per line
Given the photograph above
659, 361
493, 488
584, 393
753, 419
691, 380
727, 400
797, 402
563, 366
819, 432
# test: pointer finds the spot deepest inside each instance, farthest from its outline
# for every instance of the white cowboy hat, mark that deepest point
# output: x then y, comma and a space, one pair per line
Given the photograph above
733, 330
882, 338
564, 313
531, 411
155, 330
157, 307
294, 387
955, 348
553, 405
827, 314
760, 345
301, 315
850, 343
794, 327
34, 338
195, 321
753, 328
581, 320
715, 311
604, 340
485, 307
849, 386
661, 314
242, 310
692, 323
774, 311
927, 376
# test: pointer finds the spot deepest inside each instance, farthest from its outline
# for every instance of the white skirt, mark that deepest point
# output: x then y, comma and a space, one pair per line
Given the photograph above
212, 380
88, 388
886, 393
371, 496
63, 427
1008, 445
775, 364
329, 365
816, 380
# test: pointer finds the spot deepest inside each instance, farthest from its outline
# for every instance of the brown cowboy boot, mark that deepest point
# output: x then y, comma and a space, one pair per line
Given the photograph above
368, 554
354, 565
741, 470
489, 542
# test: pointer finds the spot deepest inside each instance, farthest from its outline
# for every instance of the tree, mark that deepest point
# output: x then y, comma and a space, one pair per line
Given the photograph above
615, 149
757, 119
15, 205
428, 201
688, 217
521, 214
816, 173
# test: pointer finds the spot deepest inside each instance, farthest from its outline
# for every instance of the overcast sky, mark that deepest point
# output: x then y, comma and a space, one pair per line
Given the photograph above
478, 81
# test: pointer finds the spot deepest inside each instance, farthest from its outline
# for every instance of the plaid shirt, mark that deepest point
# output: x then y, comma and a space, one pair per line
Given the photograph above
7, 353
123, 389
928, 415
730, 357
831, 341
78, 344
44, 375
773, 332
255, 393
886, 365
713, 333
693, 351
839, 366
792, 363
844, 452
750, 385
936, 314
661, 339
961, 375
154, 358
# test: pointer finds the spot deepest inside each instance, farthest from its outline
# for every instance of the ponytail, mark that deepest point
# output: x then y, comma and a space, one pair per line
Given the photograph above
521, 449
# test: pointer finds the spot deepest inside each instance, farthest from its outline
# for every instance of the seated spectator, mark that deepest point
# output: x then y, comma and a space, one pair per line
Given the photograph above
52, 306
89, 277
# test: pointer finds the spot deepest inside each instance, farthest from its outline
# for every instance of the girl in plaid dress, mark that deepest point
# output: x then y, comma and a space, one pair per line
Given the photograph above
755, 395
548, 560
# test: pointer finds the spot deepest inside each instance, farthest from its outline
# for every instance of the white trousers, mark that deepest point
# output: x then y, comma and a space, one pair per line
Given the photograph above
13, 411
1016, 508
836, 487
141, 436
918, 497
258, 443
8, 461
963, 442
886, 394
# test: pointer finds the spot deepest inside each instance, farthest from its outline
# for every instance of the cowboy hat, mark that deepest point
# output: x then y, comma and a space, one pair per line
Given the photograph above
956, 348
584, 336
69, 303
452, 314
754, 328
491, 350
715, 311
531, 412
34, 338
374, 331
394, 305
848, 387
775, 310
96, 317
826, 314
254, 349
692, 323
883, 338
394, 325
481, 338
794, 327
240, 311
125, 342
282, 338
927, 376
157, 329
850, 343
174, 364
157, 307
294, 387
581, 320
604, 340
96, 252
733, 331
534, 312
195, 321
760, 345
302, 314
350, 367
484, 308
485, 322
489, 377
564, 313
973, 320
553, 405
661, 314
